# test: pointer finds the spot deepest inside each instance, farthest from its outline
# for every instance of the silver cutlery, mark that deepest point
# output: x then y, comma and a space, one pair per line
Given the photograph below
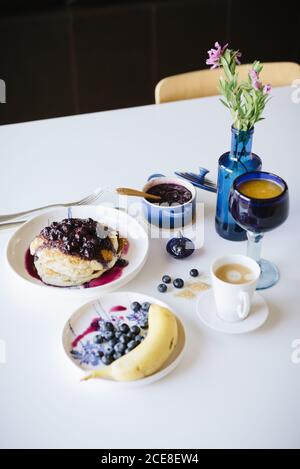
88, 200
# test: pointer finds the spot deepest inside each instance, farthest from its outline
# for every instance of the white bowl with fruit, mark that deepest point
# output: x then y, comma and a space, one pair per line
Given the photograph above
124, 337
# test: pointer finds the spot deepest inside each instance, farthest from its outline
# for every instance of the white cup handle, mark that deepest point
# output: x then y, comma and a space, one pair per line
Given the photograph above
243, 308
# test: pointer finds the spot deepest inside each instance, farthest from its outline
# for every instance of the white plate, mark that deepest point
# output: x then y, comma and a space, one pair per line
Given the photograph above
82, 318
117, 219
207, 313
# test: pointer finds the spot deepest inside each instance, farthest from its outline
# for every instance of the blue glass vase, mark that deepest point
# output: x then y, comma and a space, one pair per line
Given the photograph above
232, 164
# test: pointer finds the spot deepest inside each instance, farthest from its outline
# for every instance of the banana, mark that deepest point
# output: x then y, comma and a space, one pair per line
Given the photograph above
150, 355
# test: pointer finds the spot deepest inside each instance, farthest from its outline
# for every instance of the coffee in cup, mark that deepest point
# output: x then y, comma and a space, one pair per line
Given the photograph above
234, 279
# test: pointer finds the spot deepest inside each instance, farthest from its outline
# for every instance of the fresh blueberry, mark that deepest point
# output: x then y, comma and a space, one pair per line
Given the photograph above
109, 350
112, 342
46, 231
124, 328
135, 330
119, 347
122, 263
124, 339
118, 334
194, 273
130, 335
146, 306
131, 345
99, 353
178, 283
53, 236
135, 306
162, 288
139, 338
166, 279
98, 339
116, 356
109, 326
107, 359
108, 335
144, 324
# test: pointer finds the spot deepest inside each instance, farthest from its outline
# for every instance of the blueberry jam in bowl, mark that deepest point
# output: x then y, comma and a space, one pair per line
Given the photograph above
82, 252
177, 205
170, 194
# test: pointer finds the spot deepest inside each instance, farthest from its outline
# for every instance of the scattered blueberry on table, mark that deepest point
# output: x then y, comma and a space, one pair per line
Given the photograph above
166, 279
162, 288
178, 283
194, 273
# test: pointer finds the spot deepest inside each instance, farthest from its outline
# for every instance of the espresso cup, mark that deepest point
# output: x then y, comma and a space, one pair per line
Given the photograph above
233, 300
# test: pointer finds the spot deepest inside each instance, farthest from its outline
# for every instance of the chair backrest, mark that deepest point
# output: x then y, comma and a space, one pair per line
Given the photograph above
205, 82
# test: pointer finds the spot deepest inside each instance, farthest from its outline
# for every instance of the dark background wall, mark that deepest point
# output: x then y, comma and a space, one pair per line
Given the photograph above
61, 57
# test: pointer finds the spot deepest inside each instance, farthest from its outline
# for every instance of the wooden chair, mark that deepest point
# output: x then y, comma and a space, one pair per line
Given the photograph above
205, 82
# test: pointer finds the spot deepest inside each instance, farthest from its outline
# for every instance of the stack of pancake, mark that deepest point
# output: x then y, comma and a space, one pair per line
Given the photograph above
74, 251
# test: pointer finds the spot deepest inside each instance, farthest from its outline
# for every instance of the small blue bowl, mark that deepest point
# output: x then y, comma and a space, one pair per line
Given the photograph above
163, 216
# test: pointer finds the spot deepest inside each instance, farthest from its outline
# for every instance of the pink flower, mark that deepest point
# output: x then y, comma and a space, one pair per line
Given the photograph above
214, 55
267, 89
256, 83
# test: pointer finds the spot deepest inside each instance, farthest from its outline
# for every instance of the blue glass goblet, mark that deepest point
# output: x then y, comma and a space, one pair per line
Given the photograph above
257, 216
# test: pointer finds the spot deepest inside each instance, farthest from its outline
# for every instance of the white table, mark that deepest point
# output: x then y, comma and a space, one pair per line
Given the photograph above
229, 391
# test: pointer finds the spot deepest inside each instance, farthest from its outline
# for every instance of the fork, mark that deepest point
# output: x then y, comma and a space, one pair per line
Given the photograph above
88, 200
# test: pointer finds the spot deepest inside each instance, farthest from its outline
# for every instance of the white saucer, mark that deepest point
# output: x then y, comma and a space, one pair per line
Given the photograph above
207, 313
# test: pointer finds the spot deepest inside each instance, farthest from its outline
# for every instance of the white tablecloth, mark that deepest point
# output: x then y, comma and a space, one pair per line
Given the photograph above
229, 391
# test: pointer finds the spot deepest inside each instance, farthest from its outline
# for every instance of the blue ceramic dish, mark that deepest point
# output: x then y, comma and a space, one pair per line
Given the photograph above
174, 216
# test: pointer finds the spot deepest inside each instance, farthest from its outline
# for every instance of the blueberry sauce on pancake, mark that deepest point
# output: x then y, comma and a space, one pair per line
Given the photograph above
79, 237
77, 252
